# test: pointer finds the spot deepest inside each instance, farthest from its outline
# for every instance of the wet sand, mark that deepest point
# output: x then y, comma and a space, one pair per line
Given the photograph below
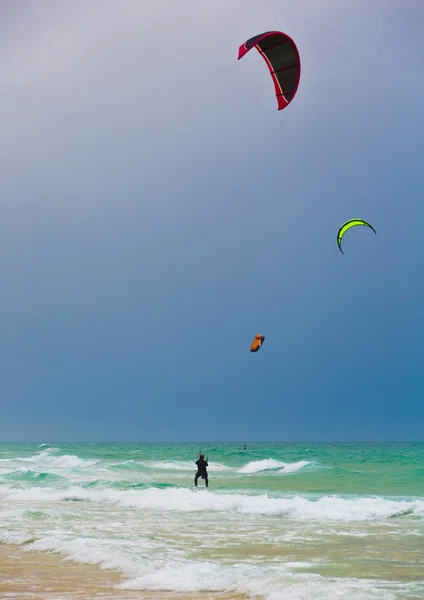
26, 575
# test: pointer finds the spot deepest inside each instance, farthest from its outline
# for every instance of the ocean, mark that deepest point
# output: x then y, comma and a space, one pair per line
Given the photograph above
284, 521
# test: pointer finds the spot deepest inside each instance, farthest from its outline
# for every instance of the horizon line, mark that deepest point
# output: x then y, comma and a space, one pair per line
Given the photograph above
213, 442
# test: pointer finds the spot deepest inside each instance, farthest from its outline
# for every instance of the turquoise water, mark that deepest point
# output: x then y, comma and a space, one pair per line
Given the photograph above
279, 521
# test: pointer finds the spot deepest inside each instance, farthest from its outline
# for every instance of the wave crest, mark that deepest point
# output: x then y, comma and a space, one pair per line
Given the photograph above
325, 509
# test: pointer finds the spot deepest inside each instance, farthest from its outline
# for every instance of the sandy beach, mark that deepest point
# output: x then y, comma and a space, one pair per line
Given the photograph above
49, 576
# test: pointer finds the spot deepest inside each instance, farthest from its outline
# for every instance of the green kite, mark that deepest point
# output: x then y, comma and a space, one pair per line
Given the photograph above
348, 225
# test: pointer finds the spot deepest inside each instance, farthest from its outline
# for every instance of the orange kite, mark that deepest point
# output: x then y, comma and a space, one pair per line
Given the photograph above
258, 340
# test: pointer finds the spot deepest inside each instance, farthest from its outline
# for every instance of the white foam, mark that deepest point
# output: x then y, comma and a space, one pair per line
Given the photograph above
46, 459
257, 466
293, 467
274, 582
108, 554
14, 537
202, 576
326, 508
270, 464
64, 461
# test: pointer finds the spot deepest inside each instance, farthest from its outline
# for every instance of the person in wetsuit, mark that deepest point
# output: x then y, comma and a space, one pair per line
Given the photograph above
201, 470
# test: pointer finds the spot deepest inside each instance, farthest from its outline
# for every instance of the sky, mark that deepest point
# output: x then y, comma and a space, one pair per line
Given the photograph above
157, 211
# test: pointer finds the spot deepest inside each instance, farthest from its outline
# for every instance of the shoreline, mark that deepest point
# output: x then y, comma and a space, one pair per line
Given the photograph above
37, 575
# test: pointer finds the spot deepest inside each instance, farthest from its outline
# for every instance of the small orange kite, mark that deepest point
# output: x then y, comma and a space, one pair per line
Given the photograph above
258, 340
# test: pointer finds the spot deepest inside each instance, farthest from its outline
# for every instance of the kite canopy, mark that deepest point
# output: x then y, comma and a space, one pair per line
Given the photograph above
258, 340
282, 57
348, 225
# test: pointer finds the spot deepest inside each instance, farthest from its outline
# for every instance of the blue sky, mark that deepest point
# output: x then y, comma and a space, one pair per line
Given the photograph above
158, 211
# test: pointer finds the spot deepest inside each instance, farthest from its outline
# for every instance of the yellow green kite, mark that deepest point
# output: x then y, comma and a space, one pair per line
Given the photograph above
348, 225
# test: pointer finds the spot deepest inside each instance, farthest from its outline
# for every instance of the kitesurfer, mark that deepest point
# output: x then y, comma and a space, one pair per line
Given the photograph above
201, 470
